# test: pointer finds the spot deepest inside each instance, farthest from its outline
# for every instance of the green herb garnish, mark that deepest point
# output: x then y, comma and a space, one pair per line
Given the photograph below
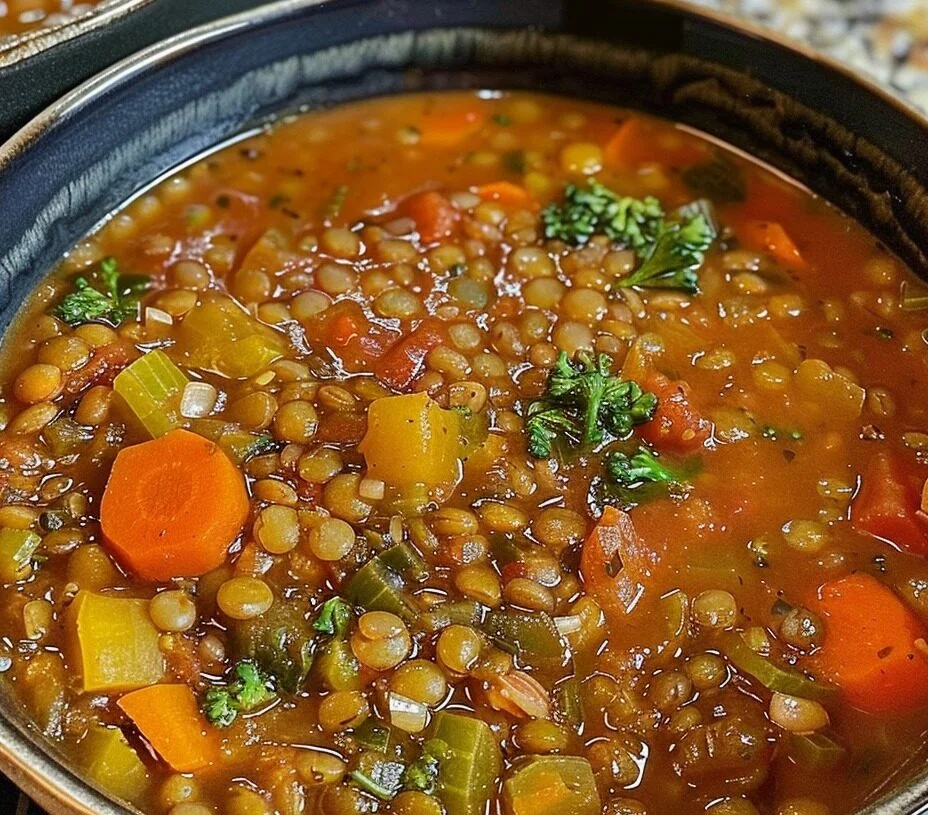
584, 405
597, 210
422, 774
250, 688
334, 617
631, 479
678, 251
115, 301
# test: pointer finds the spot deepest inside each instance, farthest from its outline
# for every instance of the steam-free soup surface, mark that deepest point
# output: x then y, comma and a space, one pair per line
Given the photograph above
456, 453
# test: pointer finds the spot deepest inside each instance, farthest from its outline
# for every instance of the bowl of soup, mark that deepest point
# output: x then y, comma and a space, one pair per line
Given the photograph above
450, 411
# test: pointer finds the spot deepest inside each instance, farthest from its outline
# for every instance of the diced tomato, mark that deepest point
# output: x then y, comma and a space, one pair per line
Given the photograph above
887, 506
676, 425
615, 564
434, 215
105, 363
346, 332
771, 237
402, 364
639, 141
873, 645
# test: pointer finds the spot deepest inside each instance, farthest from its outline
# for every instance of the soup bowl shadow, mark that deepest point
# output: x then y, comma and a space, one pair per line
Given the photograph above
117, 134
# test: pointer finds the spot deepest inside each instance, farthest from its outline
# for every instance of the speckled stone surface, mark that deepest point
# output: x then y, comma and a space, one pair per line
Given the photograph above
885, 39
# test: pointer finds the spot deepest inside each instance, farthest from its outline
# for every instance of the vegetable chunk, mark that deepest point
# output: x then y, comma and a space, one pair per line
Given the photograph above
111, 762
170, 720
411, 440
172, 506
870, 649
887, 506
551, 785
469, 772
112, 642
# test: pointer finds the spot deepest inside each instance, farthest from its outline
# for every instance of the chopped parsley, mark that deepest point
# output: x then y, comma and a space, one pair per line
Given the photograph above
585, 405
631, 479
116, 299
334, 617
249, 688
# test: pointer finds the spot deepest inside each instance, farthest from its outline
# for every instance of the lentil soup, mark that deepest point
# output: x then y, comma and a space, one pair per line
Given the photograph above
471, 452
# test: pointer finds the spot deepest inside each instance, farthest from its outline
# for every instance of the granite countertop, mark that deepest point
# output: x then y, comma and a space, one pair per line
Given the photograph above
884, 39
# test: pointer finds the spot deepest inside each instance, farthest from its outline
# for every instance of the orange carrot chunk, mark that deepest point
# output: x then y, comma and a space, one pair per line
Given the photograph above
614, 564
446, 127
172, 506
640, 141
400, 366
434, 215
169, 719
887, 506
771, 237
507, 193
870, 649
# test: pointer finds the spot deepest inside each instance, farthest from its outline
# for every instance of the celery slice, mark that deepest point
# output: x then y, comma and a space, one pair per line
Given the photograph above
221, 337
467, 777
17, 546
151, 387
551, 785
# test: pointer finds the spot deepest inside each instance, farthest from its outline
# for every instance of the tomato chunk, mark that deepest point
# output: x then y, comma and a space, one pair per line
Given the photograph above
348, 334
434, 215
676, 425
405, 360
887, 506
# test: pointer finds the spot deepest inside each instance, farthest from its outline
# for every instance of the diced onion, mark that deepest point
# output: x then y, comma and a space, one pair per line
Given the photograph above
157, 315
371, 489
407, 714
568, 625
198, 400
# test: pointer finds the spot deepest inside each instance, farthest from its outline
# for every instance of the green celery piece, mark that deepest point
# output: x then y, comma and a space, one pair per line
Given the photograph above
406, 562
151, 387
373, 734
771, 676
552, 785
459, 612
533, 638
221, 337
336, 666
17, 546
376, 587
814, 751
569, 703
279, 642
467, 777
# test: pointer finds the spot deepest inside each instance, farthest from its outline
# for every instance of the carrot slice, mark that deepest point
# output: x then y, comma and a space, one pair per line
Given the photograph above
676, 424
639, 141
172, 506
887, 506
434, 215
170, 720
507, 193
870, 649
446, 127
769, 236
614, 564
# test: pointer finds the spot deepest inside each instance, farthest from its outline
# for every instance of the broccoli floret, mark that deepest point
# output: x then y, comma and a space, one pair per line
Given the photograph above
584, 405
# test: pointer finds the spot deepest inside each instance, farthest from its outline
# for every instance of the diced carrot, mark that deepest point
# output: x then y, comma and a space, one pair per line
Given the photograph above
169, 719
771, 237
676, 424
172, 506
640, 141
434, 215
346, 332
614, 564
446, 127
507, 193
888, 507
871, 649
399, 367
